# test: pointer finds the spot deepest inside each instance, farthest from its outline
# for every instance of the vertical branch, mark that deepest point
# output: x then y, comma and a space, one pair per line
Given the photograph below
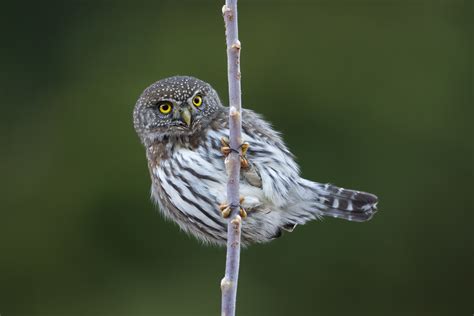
229, 282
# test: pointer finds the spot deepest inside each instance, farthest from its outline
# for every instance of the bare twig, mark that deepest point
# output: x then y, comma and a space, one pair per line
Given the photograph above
229, 282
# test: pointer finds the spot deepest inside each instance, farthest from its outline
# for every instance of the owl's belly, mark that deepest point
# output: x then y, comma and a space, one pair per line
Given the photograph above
190, 186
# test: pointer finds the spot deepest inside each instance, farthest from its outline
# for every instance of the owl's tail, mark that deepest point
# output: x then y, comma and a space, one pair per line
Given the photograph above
329, 200
347, 204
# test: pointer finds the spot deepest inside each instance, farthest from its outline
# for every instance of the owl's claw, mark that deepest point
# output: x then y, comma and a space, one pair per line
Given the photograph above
225, 149
242, 212
244, 162
226, 209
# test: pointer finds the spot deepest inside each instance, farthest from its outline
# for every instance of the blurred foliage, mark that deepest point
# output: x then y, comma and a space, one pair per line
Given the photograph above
372, 95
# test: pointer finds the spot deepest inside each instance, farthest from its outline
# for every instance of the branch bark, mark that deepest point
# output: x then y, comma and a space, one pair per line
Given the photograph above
229, 282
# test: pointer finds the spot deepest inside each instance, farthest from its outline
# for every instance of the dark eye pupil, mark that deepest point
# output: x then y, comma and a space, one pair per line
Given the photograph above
196, 100
165, 107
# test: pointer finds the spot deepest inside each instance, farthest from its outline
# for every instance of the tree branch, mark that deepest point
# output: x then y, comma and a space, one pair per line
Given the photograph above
229, 282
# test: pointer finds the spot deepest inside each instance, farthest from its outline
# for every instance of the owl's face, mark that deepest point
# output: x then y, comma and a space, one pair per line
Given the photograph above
175, 107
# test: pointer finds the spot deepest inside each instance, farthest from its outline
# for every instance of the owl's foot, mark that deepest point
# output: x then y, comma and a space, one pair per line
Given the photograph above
226, 209
225, 149
244, 162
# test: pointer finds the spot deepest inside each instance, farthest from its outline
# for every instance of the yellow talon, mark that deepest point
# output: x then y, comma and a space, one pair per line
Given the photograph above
226, 209
225, 141
242, 212
225, 150
245, 147
226, 212
244, 162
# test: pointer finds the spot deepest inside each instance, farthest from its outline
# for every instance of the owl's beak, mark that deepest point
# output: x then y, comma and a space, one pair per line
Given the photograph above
186, 116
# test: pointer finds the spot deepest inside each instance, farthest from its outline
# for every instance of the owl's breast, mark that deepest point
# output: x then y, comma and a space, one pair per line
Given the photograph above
189, 186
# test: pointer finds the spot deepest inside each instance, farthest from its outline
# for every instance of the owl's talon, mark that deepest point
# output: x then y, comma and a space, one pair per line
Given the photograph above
225, 150
244, 162
245, 146
225, 141
226, 212
242, 212
226, 209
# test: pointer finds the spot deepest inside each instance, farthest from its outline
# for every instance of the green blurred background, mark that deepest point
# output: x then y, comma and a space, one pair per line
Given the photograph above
372, 95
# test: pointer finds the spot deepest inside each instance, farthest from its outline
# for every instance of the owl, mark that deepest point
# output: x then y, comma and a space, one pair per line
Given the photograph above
183, 126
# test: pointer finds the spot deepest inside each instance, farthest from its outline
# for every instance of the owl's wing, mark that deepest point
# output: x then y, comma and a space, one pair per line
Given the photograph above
272, 166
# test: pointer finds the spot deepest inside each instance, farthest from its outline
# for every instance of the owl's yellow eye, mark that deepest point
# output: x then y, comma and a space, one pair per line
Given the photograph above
165, 108
197, 101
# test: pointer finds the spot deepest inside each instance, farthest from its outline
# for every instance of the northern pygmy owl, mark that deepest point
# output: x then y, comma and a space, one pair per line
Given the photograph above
181, 122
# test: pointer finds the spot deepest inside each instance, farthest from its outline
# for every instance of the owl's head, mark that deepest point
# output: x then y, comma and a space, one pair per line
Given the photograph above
175, 107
